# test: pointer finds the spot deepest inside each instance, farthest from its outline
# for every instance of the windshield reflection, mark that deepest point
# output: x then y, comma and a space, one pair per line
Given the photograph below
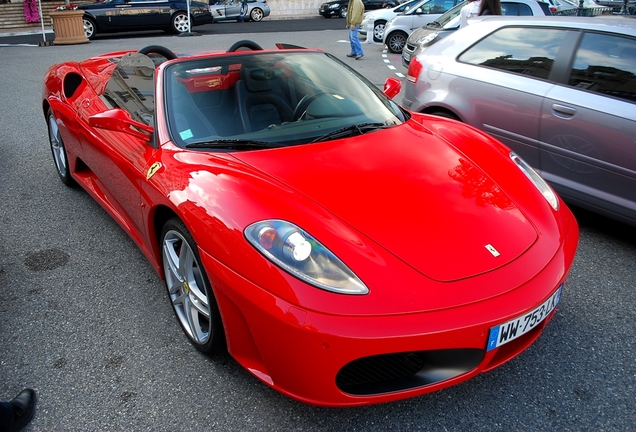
274, 98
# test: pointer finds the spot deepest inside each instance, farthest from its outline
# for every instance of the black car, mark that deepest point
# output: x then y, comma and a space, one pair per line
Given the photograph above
339, 8
111, 16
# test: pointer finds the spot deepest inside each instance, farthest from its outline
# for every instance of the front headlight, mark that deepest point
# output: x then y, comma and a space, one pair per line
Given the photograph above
427, 39
537, 180
301, 255
334, 6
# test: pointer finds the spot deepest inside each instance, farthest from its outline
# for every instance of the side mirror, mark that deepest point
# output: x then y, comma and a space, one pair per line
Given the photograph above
120, 120
419, 11
392, 87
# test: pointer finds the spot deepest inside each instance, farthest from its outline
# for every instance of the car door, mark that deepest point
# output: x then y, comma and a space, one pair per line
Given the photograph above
117, 162
588, 125
107, 14
501, 87
227, 9
145, 13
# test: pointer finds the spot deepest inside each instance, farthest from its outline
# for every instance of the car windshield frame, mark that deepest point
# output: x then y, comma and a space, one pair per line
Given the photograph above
343, 98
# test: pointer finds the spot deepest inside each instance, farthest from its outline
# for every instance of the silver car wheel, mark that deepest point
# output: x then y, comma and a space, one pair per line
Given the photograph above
396, 42
58, 150
256, 14
186, 287
180, 23
89, 28
378, 31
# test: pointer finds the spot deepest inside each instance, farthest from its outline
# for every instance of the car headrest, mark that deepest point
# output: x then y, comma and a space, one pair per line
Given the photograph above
258, 79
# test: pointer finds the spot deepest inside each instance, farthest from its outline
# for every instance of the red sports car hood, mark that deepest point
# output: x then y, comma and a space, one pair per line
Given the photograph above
412, 193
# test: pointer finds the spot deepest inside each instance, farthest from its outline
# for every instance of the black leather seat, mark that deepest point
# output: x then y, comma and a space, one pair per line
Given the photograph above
260, 101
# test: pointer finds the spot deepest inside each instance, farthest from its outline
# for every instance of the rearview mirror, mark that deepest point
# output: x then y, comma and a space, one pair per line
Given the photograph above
392, 87
120, 120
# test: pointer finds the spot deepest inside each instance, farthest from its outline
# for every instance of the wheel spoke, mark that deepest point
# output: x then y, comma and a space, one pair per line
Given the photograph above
172, 260
186, 287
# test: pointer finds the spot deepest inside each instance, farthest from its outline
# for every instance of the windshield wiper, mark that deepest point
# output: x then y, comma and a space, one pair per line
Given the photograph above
351, 130
242, 144
433, 24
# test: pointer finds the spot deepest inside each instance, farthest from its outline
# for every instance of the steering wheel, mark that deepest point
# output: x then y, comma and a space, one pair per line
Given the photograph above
245, 44
158, 49
304, 103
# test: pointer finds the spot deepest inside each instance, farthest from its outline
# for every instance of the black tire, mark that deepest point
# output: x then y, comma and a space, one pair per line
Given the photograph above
256, 14
445, 114
90, 28
378, 30
179, 22
342, 13
189, 289
396, 42
58, 150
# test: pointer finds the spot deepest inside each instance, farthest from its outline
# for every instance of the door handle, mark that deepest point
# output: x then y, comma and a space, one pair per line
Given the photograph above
563, 111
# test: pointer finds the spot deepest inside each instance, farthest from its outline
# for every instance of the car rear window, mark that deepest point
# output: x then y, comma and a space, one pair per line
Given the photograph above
523, 50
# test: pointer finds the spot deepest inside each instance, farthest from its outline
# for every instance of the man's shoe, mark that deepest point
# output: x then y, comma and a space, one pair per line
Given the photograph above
23, 409
351, 55
359, 56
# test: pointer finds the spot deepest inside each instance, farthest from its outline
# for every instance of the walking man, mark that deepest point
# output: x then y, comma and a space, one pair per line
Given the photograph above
355, 13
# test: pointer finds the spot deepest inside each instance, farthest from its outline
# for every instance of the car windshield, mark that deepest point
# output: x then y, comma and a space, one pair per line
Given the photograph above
413, 8
271, 100
406, 6
447, 20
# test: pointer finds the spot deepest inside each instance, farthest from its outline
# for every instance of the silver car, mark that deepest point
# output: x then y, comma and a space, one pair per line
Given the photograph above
398, 29
427, 35
560, 91
254, 10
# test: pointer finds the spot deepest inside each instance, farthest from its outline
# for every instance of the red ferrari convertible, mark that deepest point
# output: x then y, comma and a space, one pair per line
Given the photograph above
344, 250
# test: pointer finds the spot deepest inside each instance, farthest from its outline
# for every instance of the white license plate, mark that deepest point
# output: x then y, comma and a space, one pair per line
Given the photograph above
511, 330
406, 57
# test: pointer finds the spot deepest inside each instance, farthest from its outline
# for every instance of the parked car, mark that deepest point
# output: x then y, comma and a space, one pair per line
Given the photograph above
618, 5
560, 91
338, 8
561, 6
589, 8
112, 16
432, 32
254, 10
378, 18
349, 252
398, 29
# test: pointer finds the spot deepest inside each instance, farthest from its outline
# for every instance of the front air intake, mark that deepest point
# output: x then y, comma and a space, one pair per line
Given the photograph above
388, 373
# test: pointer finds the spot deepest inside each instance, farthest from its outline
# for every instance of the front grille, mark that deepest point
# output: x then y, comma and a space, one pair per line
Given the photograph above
410, 48
402, 371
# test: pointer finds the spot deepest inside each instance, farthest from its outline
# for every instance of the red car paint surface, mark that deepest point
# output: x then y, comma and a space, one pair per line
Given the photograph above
447, 234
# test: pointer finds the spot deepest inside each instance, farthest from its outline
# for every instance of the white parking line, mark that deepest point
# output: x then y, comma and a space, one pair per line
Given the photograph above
387, 60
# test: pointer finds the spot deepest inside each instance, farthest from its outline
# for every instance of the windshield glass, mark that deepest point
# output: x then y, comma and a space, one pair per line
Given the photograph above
412, 10
274, 99
406, 6
450, 18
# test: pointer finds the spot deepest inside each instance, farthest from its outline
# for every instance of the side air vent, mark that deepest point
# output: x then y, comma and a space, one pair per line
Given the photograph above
71, 83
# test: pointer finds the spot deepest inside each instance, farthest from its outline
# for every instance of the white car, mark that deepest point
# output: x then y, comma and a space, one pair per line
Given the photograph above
399, 28
379, 17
